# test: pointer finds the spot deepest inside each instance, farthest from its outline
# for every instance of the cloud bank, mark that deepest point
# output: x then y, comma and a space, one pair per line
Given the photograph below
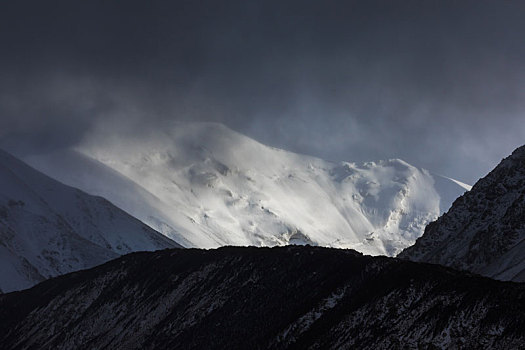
439, 84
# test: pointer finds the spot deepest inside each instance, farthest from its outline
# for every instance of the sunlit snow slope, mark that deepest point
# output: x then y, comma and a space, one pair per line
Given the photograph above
205, 185
47, 228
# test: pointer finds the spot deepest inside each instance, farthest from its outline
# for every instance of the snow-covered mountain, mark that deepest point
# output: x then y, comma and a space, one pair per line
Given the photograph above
204, 185
484, 231
264, 298
48, 228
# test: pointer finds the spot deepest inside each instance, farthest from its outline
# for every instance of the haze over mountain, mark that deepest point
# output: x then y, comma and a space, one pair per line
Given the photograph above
204, 185
484, 231
265, 298
48, 228
439, 84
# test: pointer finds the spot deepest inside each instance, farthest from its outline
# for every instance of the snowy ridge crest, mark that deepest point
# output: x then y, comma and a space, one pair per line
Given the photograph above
48, 229
204, 185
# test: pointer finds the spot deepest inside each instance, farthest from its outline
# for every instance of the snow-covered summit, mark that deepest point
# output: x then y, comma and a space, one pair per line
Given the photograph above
205, 185
47, 228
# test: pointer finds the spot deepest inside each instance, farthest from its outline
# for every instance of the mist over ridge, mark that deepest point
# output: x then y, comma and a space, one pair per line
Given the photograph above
437, 84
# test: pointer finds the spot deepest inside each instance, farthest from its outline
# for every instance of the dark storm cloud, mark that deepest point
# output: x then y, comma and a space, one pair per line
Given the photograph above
437, 83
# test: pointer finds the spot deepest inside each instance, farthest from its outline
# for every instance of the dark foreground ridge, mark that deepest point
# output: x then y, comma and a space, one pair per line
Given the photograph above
255, 298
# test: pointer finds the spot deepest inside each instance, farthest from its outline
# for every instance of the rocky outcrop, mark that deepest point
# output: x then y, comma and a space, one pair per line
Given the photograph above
484, 231
295, 297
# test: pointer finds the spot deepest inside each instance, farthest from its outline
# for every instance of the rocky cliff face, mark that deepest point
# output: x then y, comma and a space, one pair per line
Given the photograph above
484, 231
251, 298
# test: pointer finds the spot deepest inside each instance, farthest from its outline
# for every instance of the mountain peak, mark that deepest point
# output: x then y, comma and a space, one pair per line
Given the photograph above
484, 231
205, 185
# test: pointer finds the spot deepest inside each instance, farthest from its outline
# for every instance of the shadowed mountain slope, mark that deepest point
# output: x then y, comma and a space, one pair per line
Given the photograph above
255, 298
484, 230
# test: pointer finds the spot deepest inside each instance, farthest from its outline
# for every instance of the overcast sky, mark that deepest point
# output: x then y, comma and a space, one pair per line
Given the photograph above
439, 84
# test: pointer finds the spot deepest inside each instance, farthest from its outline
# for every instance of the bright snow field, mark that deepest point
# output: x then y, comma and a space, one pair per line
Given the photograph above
204, 185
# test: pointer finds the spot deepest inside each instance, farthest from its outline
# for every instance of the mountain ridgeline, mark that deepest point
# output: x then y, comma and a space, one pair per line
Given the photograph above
48, 228
205, 186
484, 230
296, 297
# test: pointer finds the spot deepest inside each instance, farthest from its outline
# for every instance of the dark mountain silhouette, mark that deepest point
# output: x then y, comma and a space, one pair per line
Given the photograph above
253, 298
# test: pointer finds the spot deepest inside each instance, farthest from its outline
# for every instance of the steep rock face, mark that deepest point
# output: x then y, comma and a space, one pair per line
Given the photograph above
47, 228
254, 298
484, 230
205, 186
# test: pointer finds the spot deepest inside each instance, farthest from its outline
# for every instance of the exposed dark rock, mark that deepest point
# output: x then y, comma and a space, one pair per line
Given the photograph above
254, 298
484, 230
